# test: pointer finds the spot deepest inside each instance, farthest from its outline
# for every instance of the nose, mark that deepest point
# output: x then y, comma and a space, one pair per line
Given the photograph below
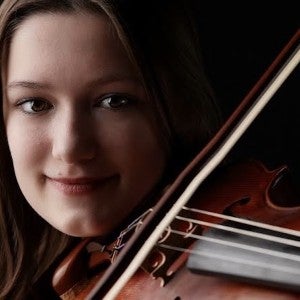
73, 138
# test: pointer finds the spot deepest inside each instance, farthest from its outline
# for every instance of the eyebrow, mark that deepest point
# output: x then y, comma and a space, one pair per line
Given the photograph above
113, 78
28, 84
40, 85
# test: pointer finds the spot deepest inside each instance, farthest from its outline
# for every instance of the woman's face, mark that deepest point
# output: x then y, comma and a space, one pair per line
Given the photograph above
82, 134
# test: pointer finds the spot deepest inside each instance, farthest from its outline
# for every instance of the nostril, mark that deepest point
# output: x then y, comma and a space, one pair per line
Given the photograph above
72, 150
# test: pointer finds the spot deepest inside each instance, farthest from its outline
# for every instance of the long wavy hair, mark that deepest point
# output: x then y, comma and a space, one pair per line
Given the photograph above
161, 39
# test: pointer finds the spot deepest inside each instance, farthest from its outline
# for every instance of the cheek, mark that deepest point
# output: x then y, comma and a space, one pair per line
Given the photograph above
139, 152
26, 146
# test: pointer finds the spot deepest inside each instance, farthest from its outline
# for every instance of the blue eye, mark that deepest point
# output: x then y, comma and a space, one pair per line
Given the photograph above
34, 106
115, 102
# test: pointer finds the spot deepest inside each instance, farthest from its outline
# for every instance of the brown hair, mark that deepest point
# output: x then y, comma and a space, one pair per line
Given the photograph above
161, 39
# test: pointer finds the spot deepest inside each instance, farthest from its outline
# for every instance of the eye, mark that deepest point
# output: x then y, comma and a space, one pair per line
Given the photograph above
115, 101
35, 106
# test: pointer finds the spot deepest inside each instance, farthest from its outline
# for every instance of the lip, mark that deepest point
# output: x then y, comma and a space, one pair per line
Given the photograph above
80, 185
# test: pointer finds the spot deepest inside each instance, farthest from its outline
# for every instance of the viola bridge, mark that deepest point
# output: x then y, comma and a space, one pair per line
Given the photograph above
169, 253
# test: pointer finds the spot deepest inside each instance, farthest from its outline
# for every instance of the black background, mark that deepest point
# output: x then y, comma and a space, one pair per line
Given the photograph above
239, 42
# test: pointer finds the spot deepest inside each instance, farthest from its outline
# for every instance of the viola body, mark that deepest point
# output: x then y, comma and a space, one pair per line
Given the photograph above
246, 190
188, 286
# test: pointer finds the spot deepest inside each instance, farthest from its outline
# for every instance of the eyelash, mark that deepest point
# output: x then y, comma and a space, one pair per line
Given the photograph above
32, 102
123, 101
105, 102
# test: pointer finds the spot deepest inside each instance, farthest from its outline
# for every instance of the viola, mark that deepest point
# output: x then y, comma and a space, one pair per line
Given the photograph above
234, 226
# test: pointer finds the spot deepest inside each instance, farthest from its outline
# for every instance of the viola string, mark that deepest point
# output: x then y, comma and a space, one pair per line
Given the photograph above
240, 231
261, 225
272, 266
256, 249
243, 232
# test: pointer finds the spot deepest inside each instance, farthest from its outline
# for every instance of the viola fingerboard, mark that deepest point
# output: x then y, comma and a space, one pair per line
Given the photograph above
260, 256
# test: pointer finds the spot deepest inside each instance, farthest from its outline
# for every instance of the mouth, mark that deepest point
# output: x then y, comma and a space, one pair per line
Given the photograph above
77, 186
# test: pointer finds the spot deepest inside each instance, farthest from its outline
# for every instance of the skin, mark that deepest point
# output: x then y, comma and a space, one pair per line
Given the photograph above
81, 131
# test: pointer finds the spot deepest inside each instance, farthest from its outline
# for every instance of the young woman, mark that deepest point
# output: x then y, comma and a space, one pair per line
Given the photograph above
103, 102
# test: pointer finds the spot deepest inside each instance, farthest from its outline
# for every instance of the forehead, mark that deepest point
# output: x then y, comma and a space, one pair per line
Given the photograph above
54, 29
61, 43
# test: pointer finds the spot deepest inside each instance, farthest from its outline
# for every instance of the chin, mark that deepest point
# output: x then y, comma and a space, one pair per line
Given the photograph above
82, 229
